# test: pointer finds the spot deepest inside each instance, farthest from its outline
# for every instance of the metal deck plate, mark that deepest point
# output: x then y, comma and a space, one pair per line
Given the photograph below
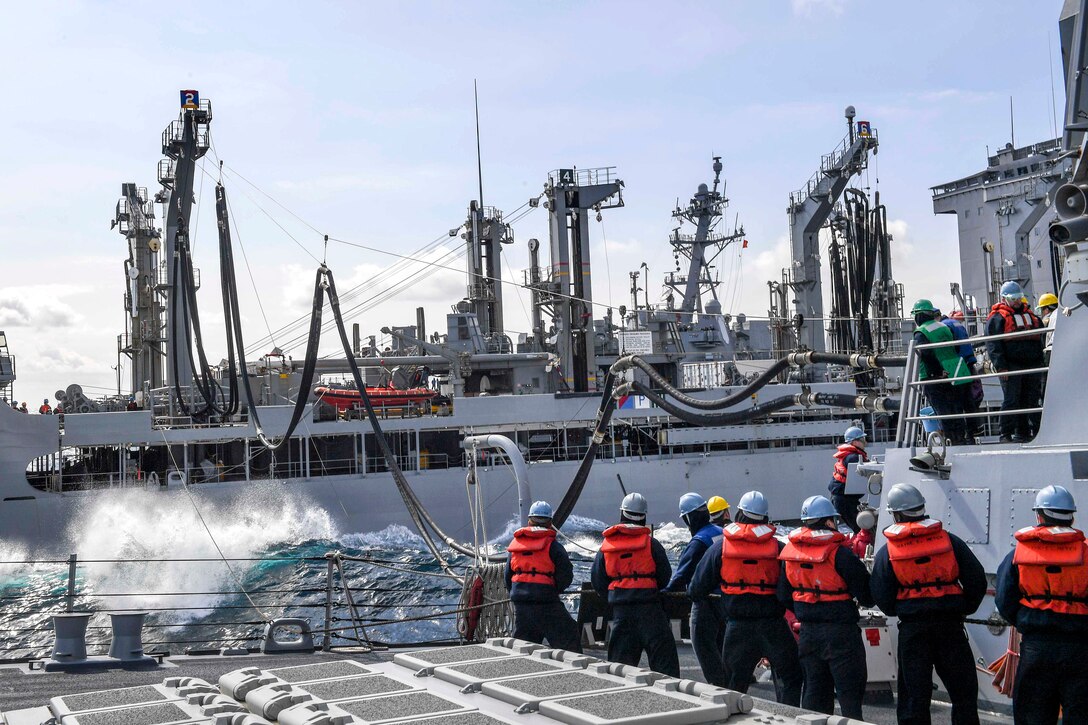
320, 671
103, 699
353, 687
156, 714
643, 705
530, 691
464, 718
427, 660
397, 707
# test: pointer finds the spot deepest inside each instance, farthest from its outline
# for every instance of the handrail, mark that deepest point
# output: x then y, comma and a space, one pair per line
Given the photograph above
975, 341
909, 416
981, 376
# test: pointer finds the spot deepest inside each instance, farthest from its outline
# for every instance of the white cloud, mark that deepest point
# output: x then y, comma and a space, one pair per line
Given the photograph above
38, 306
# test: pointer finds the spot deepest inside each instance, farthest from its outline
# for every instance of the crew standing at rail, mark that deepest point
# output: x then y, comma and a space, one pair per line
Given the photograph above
944, 364
1042, 588
851, 451
45, 408
537, 571
822, 580
630, 571
1022, 391
707, 623
745, 571
931, 580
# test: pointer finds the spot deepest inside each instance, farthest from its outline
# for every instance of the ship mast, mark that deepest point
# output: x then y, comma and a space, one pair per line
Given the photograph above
134, 217
704, 210
184, 142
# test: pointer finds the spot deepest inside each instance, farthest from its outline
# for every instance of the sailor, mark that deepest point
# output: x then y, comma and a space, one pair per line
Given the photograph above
22, 407
851, 451
931, 580
1042, 589
719, 510
972, 393
946, 398
1018, 353
44, 408
1048, 304
707, 623
822, 580
537, 570
630, 570
745, 571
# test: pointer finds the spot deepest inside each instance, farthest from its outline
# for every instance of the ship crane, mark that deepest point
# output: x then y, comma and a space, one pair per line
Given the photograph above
809, 210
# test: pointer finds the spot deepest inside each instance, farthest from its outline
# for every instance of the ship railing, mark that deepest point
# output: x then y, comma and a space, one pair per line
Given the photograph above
910, 418
586, 177
349, 600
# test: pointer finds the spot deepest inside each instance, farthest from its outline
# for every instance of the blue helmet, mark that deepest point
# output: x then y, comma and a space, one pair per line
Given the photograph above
754, 503
541, 509
853, 433
1012, 289
1055, 499
816, 508
690, 502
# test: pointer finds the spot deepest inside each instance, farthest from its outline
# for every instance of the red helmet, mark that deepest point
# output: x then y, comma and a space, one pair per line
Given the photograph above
957, 315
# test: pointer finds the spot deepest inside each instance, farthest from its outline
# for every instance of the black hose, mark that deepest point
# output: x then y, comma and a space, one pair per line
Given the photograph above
415, 507
604, 417
806, 399
744, 393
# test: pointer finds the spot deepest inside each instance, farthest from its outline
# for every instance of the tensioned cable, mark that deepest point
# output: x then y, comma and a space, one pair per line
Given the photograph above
222, 557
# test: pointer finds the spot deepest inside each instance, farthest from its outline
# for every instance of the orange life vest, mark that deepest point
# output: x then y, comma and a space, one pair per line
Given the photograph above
1053, 569
628, 560
846, 449
1025, 319
921, 556
44, 409
810, 566
749, 559
530, 560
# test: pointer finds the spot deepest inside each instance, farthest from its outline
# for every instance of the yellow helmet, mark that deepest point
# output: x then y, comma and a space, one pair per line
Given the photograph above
716, 504
1048, 299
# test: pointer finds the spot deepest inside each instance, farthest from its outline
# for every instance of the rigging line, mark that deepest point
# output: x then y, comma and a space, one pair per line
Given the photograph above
607, 263
249, 271
222, 557
276, 222
273, 200
461, 271
381, 296
521, 298
355, 291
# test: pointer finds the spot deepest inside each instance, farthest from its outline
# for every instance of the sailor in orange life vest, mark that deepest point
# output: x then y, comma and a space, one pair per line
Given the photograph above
822, 580
630, 570
851, 451
744, 569
931, 580
1011, 314
707, 623
1042, 589
537, 570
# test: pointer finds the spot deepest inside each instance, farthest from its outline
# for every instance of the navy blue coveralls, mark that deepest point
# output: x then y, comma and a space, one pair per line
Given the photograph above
830, 647
639, 621
755, 628
707, 622
932, 637
538, 613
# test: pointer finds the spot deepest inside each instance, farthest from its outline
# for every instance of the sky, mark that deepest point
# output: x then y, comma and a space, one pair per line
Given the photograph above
355, 120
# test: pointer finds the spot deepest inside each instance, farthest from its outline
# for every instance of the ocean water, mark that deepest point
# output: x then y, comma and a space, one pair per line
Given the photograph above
208, 577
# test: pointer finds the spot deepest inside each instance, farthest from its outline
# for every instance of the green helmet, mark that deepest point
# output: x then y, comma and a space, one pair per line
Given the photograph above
922, 306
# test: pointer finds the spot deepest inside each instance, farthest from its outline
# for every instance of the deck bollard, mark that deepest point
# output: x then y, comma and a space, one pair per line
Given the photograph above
70, 637
127, 644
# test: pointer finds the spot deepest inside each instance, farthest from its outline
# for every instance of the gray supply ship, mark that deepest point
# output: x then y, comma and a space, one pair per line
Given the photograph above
185, 424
